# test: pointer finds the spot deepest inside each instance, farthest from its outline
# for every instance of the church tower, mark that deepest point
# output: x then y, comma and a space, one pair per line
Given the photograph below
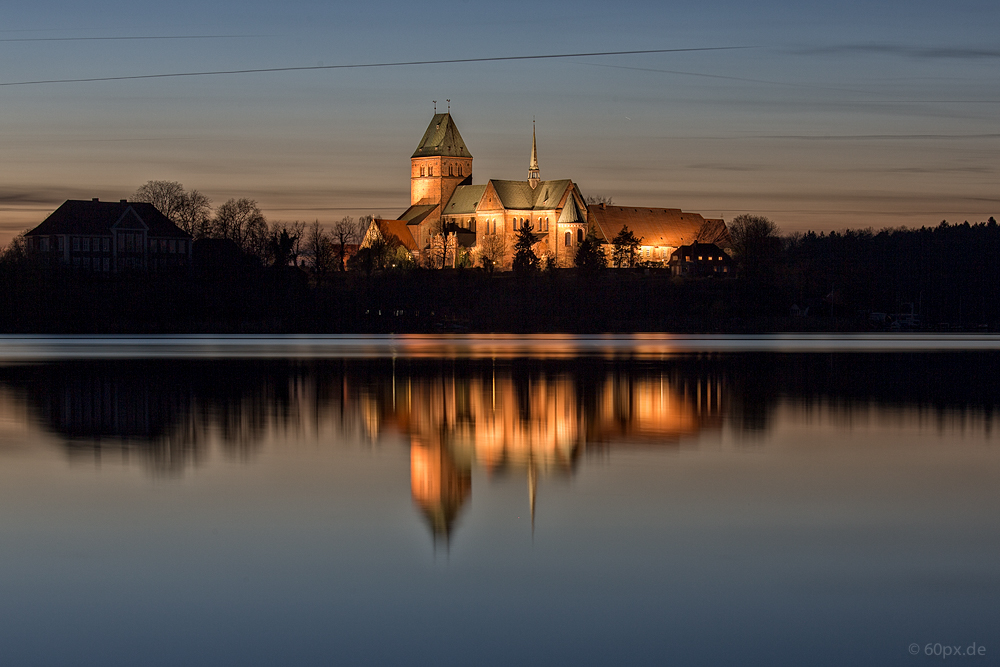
533, 171
440, 164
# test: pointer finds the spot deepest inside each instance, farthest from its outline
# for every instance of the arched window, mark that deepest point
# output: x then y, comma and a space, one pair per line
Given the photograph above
422, 170
430, 171
451, 170
579, 235
569, 239
546, 224
459, 170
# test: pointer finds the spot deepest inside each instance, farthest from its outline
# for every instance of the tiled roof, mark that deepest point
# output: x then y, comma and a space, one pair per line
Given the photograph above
442, 138
464, 200
657, 226
520, 196
97, 217
416, 213
399, 229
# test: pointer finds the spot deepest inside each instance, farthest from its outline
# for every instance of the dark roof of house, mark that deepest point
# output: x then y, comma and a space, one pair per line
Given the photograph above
693, 249
442, 139
98, 217
657, 226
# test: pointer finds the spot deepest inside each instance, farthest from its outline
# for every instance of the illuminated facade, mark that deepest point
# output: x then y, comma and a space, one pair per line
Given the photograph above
449, 215
448, 210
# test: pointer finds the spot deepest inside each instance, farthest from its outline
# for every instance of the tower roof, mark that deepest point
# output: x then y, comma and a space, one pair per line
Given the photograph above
442, 139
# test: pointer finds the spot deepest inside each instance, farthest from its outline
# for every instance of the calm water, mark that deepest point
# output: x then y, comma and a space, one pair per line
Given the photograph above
463, 501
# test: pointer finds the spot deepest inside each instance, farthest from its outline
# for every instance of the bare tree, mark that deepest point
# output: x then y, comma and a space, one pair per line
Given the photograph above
493, 251
166, 196
756, 244
194, 214
241, 221
599, 199
346, 232
319, 249
191, 211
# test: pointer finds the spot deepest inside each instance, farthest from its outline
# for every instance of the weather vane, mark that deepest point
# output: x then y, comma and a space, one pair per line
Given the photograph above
435, 106
449, 106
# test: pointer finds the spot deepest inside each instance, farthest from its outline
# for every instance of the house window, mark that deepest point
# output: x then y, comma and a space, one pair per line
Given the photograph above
86, 244
173, 246
44, 245
60, 243
107, 264
569, 239
106, 244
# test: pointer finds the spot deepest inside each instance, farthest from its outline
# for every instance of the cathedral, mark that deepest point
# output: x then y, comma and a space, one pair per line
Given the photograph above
449, 215
444, 204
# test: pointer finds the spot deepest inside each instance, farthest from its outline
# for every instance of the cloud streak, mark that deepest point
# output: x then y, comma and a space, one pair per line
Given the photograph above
916, 52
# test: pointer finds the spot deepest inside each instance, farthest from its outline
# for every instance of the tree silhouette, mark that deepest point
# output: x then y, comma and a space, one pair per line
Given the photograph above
525, 260
626, 247
590, 256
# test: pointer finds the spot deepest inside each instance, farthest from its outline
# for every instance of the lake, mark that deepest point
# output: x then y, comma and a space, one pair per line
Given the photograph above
695, 500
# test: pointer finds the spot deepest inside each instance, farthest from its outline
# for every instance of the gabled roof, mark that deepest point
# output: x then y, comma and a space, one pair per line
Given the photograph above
399, 229
98, 217
442, 138
416, 213
464, 200
658, 226
519, 195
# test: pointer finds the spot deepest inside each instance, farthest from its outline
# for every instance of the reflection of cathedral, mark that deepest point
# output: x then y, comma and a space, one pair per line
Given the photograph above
530, 417
537, 423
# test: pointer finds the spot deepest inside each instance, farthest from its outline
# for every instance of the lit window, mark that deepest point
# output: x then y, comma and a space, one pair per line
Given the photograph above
700, 258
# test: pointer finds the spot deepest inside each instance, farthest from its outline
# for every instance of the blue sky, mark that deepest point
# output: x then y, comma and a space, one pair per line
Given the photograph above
849, 114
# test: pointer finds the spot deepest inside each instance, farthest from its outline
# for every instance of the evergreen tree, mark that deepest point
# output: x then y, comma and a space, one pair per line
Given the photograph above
525, 259
626, 247
590, 256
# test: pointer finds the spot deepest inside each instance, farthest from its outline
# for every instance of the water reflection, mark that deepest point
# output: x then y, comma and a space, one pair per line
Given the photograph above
534, 418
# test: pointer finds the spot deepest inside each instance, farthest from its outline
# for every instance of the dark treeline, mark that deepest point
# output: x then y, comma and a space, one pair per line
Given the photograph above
168, 412
842, 281
949, 273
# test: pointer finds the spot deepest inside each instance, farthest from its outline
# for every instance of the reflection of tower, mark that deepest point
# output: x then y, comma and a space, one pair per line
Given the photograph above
532, 492
439, 486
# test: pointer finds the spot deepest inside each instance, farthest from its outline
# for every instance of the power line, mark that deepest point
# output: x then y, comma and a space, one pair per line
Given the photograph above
108, 39
368, 65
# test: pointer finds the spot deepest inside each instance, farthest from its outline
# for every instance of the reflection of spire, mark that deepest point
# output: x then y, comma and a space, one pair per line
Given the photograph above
532, 493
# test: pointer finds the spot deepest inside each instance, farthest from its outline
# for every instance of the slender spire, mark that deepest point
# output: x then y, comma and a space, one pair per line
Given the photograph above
533, 171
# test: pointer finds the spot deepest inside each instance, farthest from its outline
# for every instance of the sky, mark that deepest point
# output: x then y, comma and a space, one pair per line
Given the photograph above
828, 116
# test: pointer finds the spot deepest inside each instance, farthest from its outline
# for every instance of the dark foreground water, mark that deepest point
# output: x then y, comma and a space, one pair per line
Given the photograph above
554, 504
